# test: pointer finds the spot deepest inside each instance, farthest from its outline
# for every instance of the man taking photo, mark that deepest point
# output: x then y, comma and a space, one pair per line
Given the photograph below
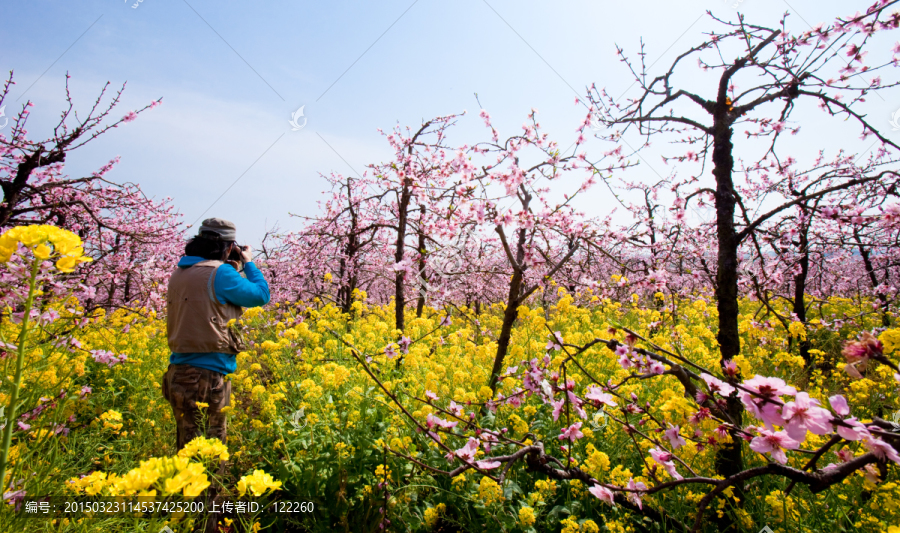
206, 291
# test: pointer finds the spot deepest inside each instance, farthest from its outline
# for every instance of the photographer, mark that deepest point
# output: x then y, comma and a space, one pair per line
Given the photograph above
206, 291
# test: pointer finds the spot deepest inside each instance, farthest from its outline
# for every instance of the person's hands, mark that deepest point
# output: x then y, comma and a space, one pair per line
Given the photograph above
246, 254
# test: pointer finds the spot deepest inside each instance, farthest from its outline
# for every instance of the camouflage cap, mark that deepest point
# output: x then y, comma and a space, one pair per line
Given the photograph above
218, 229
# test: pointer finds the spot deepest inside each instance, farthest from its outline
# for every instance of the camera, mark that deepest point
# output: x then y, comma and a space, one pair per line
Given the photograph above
236, 253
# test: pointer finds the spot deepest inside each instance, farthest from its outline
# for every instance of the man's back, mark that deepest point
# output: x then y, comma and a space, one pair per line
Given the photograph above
197, 322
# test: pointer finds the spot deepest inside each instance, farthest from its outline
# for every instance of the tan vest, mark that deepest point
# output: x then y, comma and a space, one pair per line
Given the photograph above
197, 322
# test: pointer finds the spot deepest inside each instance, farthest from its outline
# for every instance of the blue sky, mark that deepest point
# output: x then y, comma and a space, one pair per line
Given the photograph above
231, 73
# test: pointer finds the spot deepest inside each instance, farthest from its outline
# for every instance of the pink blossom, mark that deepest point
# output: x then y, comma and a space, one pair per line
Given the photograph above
555, 342
491, 405
467, 452
881, 449
576, 404
721, 431
769, 387
432, 421
572, 433
456, 409
14, 497
768, 412
558, 407
50, 316
108, 358
731, 368
868, 346
674, 438
487, 465
657, 368
487, 440
772, 442
856, 430
635, 497
665, 460
595, 393
405, 265
766, 407
404, 343
430, 395
717, 386
844, 455
839, 404
804, 414
131, 115
547, 389
872, 474
604, 494
626, 362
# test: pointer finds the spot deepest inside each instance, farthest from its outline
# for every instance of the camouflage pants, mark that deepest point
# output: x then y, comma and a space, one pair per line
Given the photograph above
185, 385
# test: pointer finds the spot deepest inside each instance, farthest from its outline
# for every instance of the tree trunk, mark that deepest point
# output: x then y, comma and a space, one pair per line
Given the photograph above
399, 296
128, 281
870, 271
343, 296
12, 189
420, 304
348, 277
800, 293
513, 301
729, 458
509, 318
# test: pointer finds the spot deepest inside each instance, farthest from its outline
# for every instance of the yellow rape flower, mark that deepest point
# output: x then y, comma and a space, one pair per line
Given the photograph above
433, 513
489, 491
797, 330
65, 245
258, 483
206, 448
112, 420
526, 516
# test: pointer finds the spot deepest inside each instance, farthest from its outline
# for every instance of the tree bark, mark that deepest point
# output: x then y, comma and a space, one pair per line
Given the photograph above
800, 293
12, 189
402, 220
729, 458
509, 318
513, 301
870, 271
420, 303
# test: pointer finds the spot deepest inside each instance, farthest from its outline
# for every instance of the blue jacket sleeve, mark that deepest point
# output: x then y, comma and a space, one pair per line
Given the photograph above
233, 289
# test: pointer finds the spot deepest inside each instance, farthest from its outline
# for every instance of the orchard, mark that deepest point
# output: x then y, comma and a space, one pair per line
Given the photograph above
456, 343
